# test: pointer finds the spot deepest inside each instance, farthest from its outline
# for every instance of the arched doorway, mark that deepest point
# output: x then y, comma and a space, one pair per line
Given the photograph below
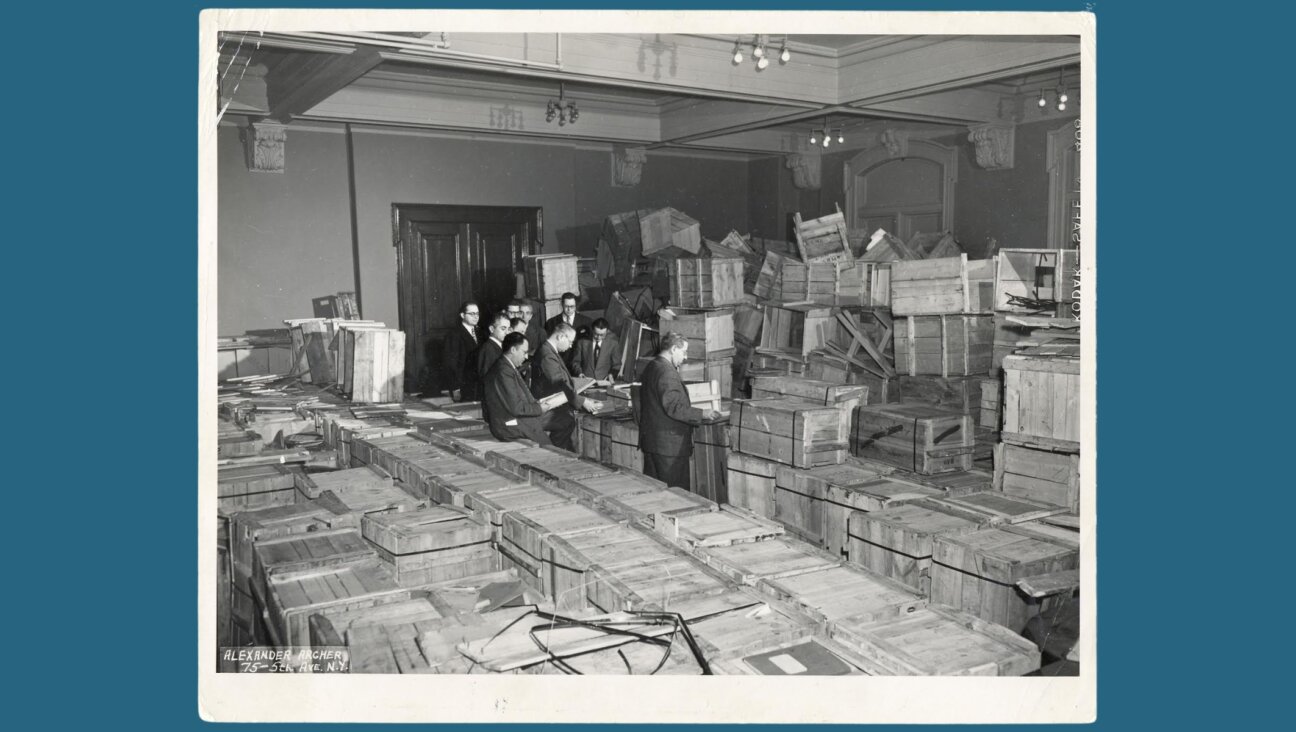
905, 194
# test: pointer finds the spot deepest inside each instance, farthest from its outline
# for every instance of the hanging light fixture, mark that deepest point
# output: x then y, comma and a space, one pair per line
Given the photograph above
1061, 94
564, 113
827, 133
761, 51
1042, 101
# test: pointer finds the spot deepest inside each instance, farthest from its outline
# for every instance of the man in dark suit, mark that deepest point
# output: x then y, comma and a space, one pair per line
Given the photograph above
549, 376
458, 355
569, 316
666, 417
535, 330
599, 356
512, 413
491, 349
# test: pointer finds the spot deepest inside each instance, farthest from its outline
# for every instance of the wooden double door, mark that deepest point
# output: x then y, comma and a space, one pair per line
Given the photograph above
446, 255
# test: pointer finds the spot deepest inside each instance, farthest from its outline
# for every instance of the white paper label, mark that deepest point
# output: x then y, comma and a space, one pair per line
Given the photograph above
788, 664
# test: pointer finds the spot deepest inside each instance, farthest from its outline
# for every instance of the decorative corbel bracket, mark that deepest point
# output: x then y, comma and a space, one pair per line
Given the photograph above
264, 144
896, 142
994, 145
627, 165
805, 170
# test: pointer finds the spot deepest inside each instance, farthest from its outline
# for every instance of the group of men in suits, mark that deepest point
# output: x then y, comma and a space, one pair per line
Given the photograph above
514, 368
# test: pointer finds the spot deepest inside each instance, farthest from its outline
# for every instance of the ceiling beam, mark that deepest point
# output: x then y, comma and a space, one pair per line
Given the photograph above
301, 81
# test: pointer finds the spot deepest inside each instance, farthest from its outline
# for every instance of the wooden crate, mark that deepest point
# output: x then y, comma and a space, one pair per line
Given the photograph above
705, 282
997, 509
545, 466
719, 370
1041, 404
917, 437
1038, 475
740, 642
596, 491
846, 396
377, 370
432, 544
252, 487
708, 464
621, 239
525, 536
494, 506
823, 239
944, 345
665, 228
569, 561
453, 490
344, 345
293, 597
958, 483
790, 432
589, 440
710, 333
770, 361
991, 404
313, 550
379, 639
946, 286
821, 365
246, 528
548, 276
897, 541
768, 284
643, 508
875, 281
654, 584
978, 572
238, 443
1036, 281
938, 641
751, 482
749, 563
728, 525
816, 504
962, 393
798, 328
826, 283
621, 444
842, 593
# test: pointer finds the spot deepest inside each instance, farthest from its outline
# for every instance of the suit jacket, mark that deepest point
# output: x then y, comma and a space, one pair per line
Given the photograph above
666, 418
535, 334
582, 325
609, 358
507, 398
458, 361
487, 354
549, 375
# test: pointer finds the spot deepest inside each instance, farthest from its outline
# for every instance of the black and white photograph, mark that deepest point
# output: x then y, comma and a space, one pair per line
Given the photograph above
746, 345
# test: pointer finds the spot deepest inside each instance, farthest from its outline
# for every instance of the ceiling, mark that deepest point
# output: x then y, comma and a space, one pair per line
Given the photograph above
651, 90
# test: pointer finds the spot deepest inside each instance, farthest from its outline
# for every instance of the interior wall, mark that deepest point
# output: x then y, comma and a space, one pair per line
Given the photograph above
1010, 206
284, 238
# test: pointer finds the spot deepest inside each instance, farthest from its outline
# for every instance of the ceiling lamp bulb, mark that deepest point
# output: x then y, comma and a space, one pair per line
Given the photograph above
814, 138
762, 63
1042, 101
826, 140
785, 56
737, 53
1061, 106
759, 52
1063, 97
840, 138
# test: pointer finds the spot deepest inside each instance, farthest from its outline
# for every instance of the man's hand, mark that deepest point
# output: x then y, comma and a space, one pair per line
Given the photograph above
709, 414
591, 406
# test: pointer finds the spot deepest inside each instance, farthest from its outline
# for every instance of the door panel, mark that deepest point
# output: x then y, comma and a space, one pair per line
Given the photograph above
446, 255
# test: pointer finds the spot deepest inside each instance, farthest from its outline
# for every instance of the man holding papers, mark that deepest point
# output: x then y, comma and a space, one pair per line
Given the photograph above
512, 412
550, 377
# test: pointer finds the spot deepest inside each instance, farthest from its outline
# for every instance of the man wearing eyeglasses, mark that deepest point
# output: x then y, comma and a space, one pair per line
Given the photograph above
492, 348
577, 321
459, 353
599, 356
550, 376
